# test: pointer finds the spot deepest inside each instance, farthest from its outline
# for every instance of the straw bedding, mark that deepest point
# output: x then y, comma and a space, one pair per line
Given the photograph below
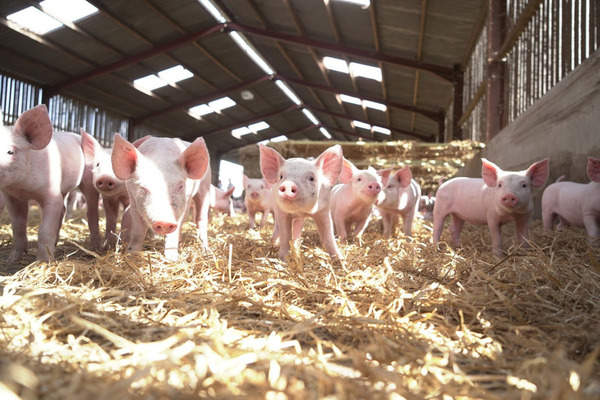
398, 319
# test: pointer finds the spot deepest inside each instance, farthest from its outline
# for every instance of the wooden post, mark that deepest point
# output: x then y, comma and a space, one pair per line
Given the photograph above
495, 69
457, 106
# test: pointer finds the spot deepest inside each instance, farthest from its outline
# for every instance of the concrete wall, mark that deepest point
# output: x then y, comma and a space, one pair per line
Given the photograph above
564, 125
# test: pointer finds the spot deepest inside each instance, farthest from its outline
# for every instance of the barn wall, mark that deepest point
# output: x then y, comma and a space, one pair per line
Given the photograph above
563, 125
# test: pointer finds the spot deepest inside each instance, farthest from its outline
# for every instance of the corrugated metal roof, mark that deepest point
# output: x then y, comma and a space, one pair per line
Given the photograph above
98, 60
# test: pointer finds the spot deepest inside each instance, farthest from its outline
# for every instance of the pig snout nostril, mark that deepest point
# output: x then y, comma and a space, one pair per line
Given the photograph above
163, 228
509, 200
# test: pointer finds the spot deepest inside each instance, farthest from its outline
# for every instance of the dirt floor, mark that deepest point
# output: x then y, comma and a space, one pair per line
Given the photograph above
398, 319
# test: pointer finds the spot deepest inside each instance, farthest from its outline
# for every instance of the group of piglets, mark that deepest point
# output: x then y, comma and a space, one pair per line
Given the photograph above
155, 179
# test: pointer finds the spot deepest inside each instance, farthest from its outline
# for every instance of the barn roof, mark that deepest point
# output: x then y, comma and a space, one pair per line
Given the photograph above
418, 45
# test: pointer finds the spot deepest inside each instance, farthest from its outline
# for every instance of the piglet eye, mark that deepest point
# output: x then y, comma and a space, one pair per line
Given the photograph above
499, 185
359, 178
524, 185
10, 152
311, 178
280, 176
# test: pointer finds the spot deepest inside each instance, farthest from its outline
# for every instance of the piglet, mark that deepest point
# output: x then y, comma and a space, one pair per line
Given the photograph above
576, 204
220, 200
302, 188
36, 164
112, 189
399, 198
498, 198
161, 175
258, 199
353, 199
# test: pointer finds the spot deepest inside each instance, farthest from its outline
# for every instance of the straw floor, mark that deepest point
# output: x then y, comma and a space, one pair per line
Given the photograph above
398, 319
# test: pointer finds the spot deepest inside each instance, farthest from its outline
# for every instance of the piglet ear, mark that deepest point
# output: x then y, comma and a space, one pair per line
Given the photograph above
34, 124
348, 170
141, 140
538, 173
330, 163
593, 169
229, 192
245, 181
89, 145
270, 163
124, 158
404, 176
267, 184
385, 176
489, 172
195, 159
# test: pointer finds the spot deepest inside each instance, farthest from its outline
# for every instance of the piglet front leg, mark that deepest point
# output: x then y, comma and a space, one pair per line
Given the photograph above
325, 229
18, 211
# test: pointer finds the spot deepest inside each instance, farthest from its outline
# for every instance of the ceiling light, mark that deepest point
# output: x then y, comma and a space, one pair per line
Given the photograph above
249, 50
213, 10
336, 64
247, 95
325, 133
383, 130
149, 82
288, 92
69, 10
361, 125
310, 116
34, 20
175, 74
366, 71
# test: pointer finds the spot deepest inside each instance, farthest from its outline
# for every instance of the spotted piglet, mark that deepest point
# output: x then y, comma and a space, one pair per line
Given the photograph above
302, 188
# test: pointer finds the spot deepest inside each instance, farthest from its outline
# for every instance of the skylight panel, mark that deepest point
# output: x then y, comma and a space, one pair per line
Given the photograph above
350, 99
361, 125
374, 105
382, 130
201, 110
34, 20
249, 50
239, 132
336, 64
69, 10
259, 126
175, 74
362, 3
221, 104
366, 71
278, 139
325, 133
149, 82
213, 10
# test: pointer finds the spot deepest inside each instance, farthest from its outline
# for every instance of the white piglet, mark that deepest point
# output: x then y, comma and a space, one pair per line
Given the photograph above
399, 198
302, 188
576, 204
37, 164
161, 176
258, 199
353, 199
498, 198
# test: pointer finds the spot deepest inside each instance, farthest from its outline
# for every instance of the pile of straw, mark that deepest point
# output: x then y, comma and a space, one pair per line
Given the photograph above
398, 319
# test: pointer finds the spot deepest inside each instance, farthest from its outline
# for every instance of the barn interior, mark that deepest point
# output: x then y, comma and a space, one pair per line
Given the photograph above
432, 84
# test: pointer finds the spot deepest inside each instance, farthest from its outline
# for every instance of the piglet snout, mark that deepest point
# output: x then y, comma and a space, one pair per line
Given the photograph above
509, 200
288, 190
163, 228
374, 188
105, 183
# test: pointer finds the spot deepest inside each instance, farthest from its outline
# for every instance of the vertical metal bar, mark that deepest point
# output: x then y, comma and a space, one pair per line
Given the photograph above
495, 69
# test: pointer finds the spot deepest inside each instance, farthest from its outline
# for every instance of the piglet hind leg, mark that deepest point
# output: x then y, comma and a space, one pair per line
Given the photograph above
592, 226
455, 229
52, 214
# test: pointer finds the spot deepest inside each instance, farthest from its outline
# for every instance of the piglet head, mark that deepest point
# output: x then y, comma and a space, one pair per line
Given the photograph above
300, 185
161, 176
394, 193
366, 184
513, 189
255, 188
32, 131
99, 160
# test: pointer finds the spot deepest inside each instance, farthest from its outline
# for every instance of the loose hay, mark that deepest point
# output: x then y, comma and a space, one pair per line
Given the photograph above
399, 319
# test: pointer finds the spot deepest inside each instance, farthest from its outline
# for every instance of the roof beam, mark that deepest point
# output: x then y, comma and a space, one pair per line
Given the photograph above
400, 131
441, 71
434, 115
203, 99
154, 51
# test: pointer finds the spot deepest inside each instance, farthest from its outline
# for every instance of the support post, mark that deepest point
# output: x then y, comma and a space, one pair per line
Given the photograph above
457, 106
495, 69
